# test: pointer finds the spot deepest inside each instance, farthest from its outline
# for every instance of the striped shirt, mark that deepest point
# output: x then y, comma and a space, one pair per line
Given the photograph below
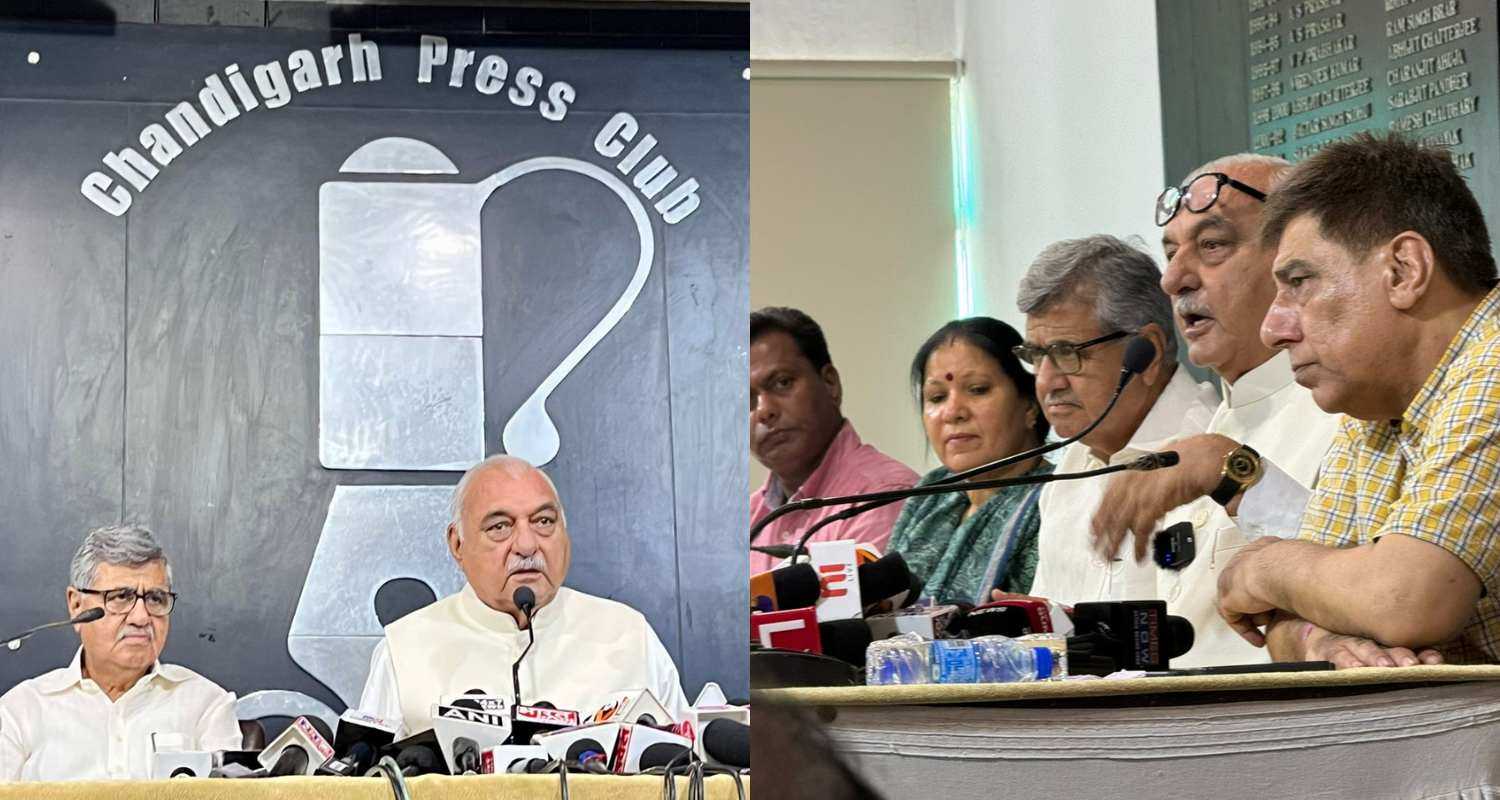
1433, 475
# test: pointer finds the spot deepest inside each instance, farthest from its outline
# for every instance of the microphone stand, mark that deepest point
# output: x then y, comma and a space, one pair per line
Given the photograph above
1144, 463
1126, 373
515, 669
14, 643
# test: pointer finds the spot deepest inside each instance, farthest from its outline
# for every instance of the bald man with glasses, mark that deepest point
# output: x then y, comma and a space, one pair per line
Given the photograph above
103, 715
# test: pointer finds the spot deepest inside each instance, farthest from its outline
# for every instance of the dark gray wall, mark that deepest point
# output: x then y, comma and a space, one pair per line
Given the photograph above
1204, 82
162, 367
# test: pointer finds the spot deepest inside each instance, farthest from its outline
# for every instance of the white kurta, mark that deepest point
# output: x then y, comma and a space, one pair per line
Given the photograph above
1266, 409
1067, 568
62, 726
587, 649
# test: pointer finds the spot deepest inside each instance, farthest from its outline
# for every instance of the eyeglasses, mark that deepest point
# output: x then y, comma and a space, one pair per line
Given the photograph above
120, 601
1200, 192
1067, 356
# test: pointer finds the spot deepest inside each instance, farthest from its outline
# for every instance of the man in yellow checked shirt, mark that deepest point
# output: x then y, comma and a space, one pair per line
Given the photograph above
1386, 302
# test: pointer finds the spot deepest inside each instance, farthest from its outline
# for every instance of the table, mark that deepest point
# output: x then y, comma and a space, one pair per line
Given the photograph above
426, 787
1419, 732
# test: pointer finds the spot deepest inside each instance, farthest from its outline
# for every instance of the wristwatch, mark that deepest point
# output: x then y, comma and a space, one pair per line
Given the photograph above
1241, 470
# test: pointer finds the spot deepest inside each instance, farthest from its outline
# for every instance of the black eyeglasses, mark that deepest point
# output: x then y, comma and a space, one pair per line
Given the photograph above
120, 601
1200, 192
1066, 355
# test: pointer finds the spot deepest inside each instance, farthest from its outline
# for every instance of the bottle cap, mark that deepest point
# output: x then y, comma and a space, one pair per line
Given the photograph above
1043, 662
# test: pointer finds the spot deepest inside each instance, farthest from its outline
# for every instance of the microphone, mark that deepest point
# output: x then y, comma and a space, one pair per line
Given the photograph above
663, 754
1126, 635
417, 759
529, 766
885, 578
727, 742
14, 642
1139, 354
589, 755
453, 725
1149, 461
355, 742
796, 586
465, 756
300, 749
292, 761
354, 762
845, 639
524, 599
405, 753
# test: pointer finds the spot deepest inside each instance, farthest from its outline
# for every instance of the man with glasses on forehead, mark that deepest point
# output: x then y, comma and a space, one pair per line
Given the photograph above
96, 718
1260, 454
1082, 299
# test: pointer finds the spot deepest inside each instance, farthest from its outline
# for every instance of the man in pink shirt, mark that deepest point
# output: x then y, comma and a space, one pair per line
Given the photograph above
799, 434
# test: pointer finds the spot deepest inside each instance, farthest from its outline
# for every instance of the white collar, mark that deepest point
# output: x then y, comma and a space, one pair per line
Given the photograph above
59, 680
482, 616
1183, 409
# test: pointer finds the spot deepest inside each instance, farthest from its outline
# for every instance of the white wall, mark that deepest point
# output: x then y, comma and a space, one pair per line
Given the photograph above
853, 30
851, 209
1063, 118
1063, 110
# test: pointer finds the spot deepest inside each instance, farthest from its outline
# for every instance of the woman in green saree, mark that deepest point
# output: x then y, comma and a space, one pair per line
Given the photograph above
978, 405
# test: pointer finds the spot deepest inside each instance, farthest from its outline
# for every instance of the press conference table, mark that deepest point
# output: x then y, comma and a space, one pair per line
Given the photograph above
1414, 732
427, 787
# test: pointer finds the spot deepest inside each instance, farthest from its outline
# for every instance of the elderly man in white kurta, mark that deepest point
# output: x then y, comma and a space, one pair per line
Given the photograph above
100, 716
509, 531
1259, 456
1078, 295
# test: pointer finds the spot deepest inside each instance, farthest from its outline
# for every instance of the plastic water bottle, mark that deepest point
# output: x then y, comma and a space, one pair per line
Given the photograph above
899, 660
987, 659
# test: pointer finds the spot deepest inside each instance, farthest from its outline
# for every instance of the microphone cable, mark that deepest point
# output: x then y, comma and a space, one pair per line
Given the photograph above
386, 766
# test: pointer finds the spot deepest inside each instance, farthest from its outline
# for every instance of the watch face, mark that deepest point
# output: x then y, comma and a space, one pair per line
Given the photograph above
1241, 465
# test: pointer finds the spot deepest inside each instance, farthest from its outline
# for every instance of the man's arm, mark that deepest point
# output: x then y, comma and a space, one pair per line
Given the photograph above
1136, 502
219, 727
381, 696
13, 750
666, 684
1399, 590
1292, 638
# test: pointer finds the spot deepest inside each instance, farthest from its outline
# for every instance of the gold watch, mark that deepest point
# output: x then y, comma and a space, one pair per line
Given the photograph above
1242, 469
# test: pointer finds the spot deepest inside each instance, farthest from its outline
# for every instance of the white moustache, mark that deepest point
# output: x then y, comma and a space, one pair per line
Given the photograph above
1060, 397
128, 630
1188, 305
535, 561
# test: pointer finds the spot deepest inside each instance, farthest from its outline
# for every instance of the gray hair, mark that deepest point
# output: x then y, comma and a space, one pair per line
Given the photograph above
1275, 166
120, 545
1120, 277
511, 465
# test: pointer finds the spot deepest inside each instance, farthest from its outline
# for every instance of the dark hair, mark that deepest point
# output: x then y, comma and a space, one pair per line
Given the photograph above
1365, 190
794, 323
996, 339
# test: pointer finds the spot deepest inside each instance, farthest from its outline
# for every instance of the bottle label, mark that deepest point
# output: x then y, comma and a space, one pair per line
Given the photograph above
953, 662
